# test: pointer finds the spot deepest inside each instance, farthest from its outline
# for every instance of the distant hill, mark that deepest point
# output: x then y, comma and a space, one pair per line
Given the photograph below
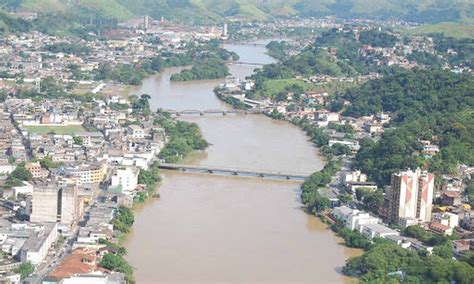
424, 11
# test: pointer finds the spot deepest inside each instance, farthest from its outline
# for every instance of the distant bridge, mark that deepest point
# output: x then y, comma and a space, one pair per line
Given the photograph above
247, 44
246, 63
209, 111
235, 172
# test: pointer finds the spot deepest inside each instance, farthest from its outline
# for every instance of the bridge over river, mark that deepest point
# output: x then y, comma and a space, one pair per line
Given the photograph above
210, 112
235, 172
245, 63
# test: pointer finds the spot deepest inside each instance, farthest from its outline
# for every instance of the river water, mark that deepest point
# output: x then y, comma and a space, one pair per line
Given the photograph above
219, 229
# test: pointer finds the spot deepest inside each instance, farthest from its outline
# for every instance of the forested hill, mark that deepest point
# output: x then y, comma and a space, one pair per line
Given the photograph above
425, 11
432, 104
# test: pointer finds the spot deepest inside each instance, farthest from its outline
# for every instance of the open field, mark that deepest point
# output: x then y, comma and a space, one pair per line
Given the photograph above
70, 129
273, 87
448, 29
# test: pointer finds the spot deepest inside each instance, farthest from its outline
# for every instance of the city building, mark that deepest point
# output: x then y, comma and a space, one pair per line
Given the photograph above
146, 22
36, 247
94, 173
36, 170
446, 218
461, 246
125, 178
135, 131
410, 195
26, 188
225, 31
355, 176
353, 218
54, 201
367, 185
441, 229
377, 231
451, 198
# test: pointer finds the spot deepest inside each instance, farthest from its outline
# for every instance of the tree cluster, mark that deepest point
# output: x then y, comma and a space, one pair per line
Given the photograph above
386, 262
212, 68
377, 38
352, 238
123, 219
314, 202
150, 178
69, 48
184, 138
278, 49
426, 104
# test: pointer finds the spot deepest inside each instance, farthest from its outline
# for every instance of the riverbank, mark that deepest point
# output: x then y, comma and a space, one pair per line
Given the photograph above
183, 139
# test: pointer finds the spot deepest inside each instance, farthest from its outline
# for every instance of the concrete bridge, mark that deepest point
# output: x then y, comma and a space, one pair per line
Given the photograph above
235, 172
247, 44
245, 63
209, 112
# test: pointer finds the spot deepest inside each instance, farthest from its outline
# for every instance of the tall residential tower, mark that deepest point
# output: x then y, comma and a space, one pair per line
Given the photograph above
411, 196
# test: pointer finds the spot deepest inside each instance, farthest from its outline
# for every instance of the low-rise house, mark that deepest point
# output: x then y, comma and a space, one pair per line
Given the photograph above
446, 218
373, 127
461, 246
377, 231
355, 176
451, 198
11, 278
352, 144
96, 277
78, 262
26, 188
91, 139
353, 186
467, 220
136, 131
430, 150
408, 221
331, 194
353, 218
441, 229
399, 240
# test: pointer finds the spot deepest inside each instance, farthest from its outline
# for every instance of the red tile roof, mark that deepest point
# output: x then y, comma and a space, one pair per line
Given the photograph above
452, 194
79, 261
439, 226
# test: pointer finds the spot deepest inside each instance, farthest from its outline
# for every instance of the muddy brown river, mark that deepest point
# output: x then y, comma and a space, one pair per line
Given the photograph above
223, 229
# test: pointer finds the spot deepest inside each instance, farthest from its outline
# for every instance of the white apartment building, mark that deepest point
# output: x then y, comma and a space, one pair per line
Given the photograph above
125, 177
36, 247
136, 131
353, 218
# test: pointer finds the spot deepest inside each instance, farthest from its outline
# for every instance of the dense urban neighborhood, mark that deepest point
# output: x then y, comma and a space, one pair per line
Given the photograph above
390, 111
